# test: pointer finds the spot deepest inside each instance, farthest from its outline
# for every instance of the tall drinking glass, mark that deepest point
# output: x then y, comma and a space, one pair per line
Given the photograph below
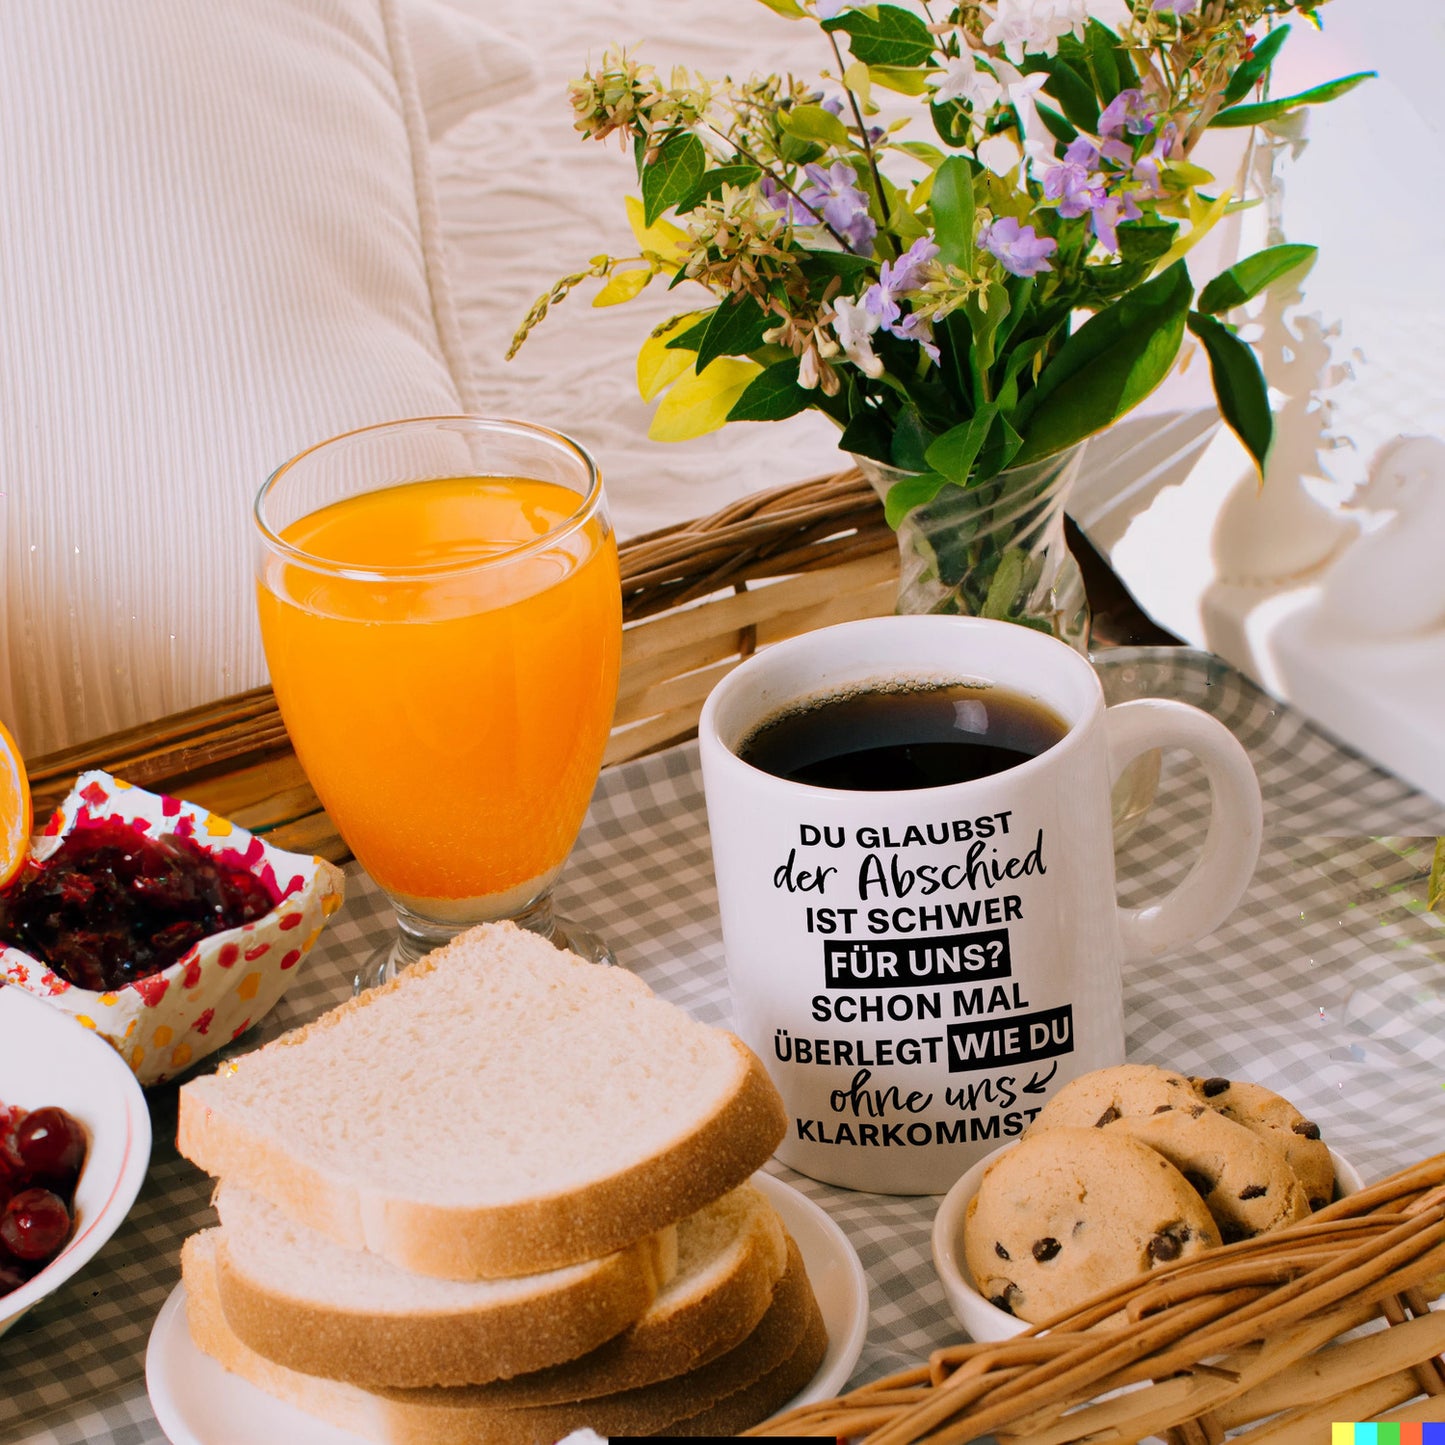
442, 617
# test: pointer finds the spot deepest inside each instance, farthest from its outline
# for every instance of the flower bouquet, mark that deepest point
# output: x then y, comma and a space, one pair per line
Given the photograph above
966, 245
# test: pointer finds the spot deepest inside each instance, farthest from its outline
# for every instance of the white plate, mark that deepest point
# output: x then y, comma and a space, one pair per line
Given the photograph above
199, 1403
48, 1058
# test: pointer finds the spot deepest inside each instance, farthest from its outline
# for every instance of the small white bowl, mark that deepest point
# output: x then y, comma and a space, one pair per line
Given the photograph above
984, 1321
48, 1058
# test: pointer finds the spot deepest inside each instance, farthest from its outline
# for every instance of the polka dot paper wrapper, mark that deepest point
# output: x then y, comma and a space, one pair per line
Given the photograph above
163, 1024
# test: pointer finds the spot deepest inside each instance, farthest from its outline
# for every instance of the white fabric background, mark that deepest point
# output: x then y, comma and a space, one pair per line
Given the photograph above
218, 247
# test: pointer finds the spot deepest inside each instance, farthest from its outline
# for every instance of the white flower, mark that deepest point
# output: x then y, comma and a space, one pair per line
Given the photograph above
966, 79
999, 154
1033, 26
854, 325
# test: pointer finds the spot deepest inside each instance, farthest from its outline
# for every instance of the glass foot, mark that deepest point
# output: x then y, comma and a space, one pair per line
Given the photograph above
582, 941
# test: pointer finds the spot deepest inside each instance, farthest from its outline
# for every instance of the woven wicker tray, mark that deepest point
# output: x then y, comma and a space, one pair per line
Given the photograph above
1264, 1335
697, 598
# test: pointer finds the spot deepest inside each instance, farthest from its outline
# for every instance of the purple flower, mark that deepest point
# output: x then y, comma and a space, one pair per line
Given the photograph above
917, 328
1082, 152
1076, 188
1176, 7
1131, 111
779, 198
1108, 216
834, 194
910, 270
1020, 249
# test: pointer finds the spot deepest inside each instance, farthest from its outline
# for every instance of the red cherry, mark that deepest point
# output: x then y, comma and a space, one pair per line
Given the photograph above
51, 1145
12, 1276
34, 1225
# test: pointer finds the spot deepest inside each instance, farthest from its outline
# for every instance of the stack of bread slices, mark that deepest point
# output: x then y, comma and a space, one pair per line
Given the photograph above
504, 1197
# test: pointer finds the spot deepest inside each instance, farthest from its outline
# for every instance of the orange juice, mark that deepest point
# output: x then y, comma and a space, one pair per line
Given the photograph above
450, 697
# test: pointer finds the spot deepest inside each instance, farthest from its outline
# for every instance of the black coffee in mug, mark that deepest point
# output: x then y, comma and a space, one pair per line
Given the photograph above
903, 735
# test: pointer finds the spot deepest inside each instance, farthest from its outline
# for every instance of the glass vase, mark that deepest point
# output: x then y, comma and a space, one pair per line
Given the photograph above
994, 548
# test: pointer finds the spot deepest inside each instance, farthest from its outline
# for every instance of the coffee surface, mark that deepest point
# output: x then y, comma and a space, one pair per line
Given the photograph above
888, 739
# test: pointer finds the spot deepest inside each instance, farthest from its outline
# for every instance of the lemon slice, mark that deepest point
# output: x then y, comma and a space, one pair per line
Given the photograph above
15, 813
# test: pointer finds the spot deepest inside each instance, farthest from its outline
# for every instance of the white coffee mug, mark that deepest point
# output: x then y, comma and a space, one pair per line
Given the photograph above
921, 970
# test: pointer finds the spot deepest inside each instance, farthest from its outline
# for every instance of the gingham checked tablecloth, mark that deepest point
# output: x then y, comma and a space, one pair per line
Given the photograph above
1328, 984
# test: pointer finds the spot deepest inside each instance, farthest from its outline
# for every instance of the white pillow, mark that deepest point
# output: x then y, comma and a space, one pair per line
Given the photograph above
460, 64
218, 245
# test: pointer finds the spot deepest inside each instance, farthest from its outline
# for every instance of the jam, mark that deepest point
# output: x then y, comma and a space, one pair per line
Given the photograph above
113, 905
41, 1154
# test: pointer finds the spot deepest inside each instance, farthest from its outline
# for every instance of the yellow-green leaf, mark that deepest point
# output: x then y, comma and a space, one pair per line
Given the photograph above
696, 405
857, 79
622, 286
662, 238
789, 9
659, 365
1202, 217
900, 78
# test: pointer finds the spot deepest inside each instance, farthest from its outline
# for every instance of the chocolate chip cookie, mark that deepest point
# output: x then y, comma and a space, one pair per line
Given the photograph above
1100, 1097
1278, 1122
1068, 1212
1245, 1183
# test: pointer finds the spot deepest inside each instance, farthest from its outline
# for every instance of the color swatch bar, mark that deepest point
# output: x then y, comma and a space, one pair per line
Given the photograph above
1387, 1434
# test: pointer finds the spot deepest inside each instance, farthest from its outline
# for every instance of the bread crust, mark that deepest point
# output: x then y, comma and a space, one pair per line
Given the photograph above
444, 1347
497, 1240
741, 1387
707, 1325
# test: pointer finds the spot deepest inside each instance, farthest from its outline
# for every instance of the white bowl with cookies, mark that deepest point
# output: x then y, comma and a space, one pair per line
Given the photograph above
1125, 1169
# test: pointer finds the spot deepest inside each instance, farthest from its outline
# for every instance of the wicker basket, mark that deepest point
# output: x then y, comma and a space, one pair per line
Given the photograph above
1283, 1334
697, 599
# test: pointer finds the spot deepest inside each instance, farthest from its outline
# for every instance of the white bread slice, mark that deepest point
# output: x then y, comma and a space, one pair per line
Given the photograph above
738, 1388
500, 1108
730, 1256
312, 1305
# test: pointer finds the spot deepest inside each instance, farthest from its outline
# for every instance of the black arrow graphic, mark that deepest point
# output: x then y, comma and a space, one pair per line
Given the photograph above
1037, 1085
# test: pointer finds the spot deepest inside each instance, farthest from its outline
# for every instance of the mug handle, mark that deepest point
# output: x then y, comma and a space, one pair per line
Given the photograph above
1215, 884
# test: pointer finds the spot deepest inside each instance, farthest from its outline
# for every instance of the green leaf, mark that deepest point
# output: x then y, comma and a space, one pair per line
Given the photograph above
921, 150
773, 395
710, 183
1435, 895
868, 434
1000, 449
813, 123
734, 329
1238, 115
899, 78
1239, 385
1056, 125
1253, 70
1247, 278
952, 122
912, 491
1073, 92
885, 35
911, 440
691, 339
1109, 365
1099, 54
954, 453
672, 174
951, 202
1005, 585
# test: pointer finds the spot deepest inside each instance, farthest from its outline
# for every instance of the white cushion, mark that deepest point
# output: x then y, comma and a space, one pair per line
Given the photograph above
218, 245
461, 64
